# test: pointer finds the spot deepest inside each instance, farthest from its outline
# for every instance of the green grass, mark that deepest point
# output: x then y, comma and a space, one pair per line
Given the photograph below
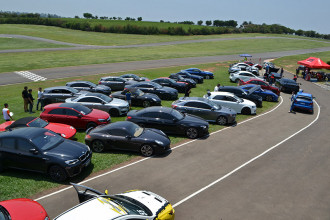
26, 184
15, 43
50, 59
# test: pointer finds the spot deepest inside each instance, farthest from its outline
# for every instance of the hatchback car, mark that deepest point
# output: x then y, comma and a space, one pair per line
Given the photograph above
205, 109
133, 205
287, 85
59, 94
139, 98
90, 87
266, 95
169, 121
185, 74
114, 82
303, 101
165, 81
126, 135
198, 72
179, 78
115, 107
76, 115
163, 92
263, 84
41, 150
241, 93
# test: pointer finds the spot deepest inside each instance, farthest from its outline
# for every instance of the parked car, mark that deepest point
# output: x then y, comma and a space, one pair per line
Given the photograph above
76, 115
89, 86
179, 78
229, 100
169, 121
114, 82
41, 150
253, 64
59, 94
198, 72
115, 107
64, 130
276, 76
133, 204
22, 209
266, 95
165, 81
304, 101
163, 92
138, 98
133, 77
287, 85
236, 76
205, 109
243, 67
126, 135
185, 74
263, 84
241, 93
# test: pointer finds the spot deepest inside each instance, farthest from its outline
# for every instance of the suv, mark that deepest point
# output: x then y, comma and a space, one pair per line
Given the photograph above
89, 86
114, 82
59, 94
239, 92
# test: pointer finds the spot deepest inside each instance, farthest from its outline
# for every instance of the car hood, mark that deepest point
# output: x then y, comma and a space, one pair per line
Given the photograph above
169, 89
150, 95
99, 114
64, 130
68, 149
24, 209
155, 134
117, 102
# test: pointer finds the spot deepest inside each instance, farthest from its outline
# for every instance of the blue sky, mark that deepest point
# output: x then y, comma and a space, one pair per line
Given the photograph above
295, 14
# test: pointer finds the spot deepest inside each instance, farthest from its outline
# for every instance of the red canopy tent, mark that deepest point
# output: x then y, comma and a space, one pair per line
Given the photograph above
314, 63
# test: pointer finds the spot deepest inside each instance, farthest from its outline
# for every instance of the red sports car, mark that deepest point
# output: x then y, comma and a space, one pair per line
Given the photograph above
76, 115
263, 84
22, 209
64, 130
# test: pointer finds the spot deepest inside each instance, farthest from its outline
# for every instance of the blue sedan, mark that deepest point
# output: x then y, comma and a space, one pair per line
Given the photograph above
198, 72
265, 94
303, 101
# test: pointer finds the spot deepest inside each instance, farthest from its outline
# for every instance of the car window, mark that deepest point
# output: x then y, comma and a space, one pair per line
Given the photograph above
231, 99
70, 112
57, 111
38, 122
24, 145
8, 143
65, 91
191, 104
151, 115
118, 132
166, 116
204, 105
90, 99
47, 140
219, 97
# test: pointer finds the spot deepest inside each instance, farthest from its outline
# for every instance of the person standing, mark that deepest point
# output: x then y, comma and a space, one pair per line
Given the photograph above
128, 97
39, 100
30, 100
293, 99
216, 88
187, 91
25, 98
6, 113
282, 72
295, 78
272, 79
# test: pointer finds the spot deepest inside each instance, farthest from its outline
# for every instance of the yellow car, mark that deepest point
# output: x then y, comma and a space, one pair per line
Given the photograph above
134, 204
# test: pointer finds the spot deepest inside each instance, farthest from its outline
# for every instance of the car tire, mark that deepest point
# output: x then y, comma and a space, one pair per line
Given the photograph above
145, 104
269, 98
146, 150
113, 112
97, 146
207, 77
192, 133
57, 173
236, 80
90, 126
246, 111
221, 120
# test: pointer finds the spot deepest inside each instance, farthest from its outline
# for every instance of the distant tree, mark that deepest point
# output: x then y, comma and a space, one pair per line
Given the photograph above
104, 18
127, 18
299, 32
114, 18
95, 17
186, 22
119, 18
200, 22
76, 16
87, 15
139, 18
208, 23
161, 21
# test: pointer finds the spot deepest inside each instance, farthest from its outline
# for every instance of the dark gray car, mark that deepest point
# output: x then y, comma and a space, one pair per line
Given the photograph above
59, 94
205, 109
114, 82
89, 86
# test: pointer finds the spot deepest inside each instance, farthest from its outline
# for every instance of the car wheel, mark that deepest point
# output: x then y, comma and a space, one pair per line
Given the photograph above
57, 173
236, 80
246, 111
146, 150
90, 126
146, 104
192, 133
269, 98
114, 112
207, 77
221, 120
97, 146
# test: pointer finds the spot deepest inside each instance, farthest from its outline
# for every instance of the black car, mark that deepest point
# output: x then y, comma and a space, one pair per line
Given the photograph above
239, 92
89, 86
179, 78
170, 121
185, 74
205, 109
162, 92
41, 150
134, 77
138, 98
114, 82
287, 85
276, 76
59, 94
180, 86
126, 135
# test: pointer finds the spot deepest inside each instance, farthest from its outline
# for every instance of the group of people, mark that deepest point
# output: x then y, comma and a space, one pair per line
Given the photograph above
29, 100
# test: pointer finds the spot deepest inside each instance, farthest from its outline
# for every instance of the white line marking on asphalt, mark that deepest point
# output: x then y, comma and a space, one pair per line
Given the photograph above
131, 164
30, 76
248, 162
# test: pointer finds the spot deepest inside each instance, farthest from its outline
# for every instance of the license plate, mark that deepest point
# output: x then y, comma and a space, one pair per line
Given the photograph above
88, 162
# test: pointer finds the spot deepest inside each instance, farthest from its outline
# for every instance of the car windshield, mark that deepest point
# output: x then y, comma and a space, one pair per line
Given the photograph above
131, 206
177, 114
83, 109
306, 98
47, 140
38, 122
156, 85
237, 98
171, 80
215, 106
105, 98
73, 90
138, 92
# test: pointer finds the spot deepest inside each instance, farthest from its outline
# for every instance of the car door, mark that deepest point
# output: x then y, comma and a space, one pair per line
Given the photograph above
74, 118
231, 102
63, 95
56, 115
168, 124
8, 153
152, 120
119, 84
204, 111
121, 140
193, 108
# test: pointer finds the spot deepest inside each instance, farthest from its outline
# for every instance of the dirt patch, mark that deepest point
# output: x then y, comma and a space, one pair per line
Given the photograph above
211, 69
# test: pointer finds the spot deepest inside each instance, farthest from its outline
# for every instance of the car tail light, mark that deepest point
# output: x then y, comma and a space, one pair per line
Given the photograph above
99, 82
174, 106
129, 117
295, 101
88, 136
311, 103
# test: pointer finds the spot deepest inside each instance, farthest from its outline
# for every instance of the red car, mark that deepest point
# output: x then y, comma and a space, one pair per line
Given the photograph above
76, 115
22, 209
64, 130
252, 64
263, 84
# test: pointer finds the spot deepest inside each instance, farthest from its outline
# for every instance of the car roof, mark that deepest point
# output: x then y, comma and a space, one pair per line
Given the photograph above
69, 105
58, 87
27, 132
80, 81
230, 87
156, 109
305, 94
223, 93
193, 99
21, 121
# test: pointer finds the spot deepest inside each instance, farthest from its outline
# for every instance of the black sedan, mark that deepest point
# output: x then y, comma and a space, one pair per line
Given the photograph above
239, 92
179, 78
170, 121
138, 98
185, 74
180, 86
89, 86
134, 77
59, 94
41, 150
126, 135
162, 92
287, 85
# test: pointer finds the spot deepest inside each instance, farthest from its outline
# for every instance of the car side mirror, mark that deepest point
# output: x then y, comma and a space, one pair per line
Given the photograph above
212, 109
34, 151
79, 116
175, 119
128, 137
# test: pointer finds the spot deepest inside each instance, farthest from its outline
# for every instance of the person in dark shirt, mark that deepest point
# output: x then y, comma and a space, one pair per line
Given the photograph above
128, 97
30, 100
25, 98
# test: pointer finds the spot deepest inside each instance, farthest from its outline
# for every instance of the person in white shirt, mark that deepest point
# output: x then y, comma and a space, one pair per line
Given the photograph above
6, 113
39, 101
216, 88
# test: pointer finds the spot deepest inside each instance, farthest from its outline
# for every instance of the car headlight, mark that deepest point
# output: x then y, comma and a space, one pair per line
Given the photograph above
63, 135
204, 126
88, 148
102, 120
159, 142
72, 162
153, 99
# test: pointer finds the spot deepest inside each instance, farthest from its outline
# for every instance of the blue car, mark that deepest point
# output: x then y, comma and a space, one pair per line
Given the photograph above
257, 90
198, 72
185, 74
303, 101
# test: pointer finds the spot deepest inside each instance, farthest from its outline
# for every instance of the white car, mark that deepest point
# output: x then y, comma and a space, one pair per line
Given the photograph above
235, 77
135, 204
227, 99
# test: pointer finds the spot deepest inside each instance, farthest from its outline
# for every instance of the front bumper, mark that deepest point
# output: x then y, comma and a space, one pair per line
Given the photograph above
77, 168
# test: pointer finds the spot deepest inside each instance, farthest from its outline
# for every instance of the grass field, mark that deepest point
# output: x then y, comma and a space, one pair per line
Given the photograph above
15, 43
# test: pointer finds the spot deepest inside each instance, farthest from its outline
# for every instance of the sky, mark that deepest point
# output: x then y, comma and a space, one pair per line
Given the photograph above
296, 14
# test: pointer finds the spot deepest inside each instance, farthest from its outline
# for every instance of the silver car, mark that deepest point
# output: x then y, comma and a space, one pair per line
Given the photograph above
115, 107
